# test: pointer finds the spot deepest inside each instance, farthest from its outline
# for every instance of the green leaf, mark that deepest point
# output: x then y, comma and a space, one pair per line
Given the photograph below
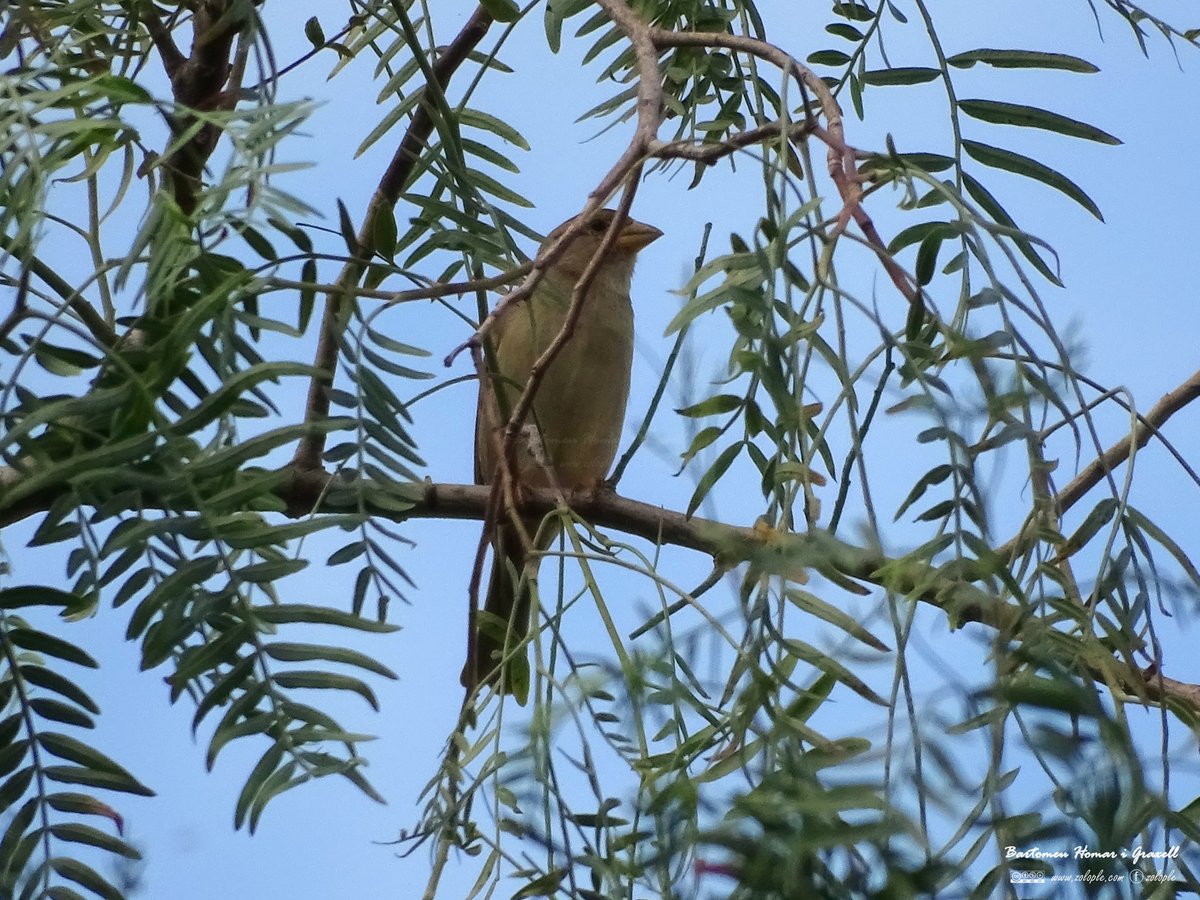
815, 606
230, 729
830, 666
262, 770
293, 652
109, 781
332, 681
79, 833
37, 595
72, 750
385, 232
703, 438
228, 460
50, 680
828, 58
900, 75
55, 711
998, 113
76, 871
175, 590
314, 32
232, 389
936, 475
853, 10
279, 781
48, 645
346, 226
347, 553
15, 787
713, 406
1022, 59
223, 688
502, 10
308, 296
926, 265
288, 613
1135, 518
842, 30
920, 232
393, 115
713, 475
271, 570
992, 207
259, 244
1060, 693
12, 755
1009, 161
121, 89
474, 118
552, 22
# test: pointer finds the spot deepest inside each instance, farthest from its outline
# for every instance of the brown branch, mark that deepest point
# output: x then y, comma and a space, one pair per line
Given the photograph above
843, 168
160, 35
1169, 404
408, 152
709, 153
1102, 466
198, 82
308, 492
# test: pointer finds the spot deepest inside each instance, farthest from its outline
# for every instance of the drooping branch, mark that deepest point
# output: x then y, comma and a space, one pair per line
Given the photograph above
645, 136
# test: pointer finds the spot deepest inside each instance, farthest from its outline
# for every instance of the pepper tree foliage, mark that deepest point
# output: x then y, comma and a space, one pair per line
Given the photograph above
162, 293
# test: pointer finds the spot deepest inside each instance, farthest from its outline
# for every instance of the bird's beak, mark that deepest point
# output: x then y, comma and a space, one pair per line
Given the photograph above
636, 235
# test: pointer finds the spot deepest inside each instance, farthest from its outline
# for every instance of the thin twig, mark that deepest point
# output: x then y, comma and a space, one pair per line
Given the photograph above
709, 153
432, 292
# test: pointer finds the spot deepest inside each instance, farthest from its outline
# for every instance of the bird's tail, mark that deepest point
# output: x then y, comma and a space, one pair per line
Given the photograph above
497, 654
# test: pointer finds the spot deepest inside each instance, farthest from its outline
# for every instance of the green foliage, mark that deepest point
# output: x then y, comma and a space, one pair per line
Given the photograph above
38, 696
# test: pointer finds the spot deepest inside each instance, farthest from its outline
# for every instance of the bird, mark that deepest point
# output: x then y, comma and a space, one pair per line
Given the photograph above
573, 429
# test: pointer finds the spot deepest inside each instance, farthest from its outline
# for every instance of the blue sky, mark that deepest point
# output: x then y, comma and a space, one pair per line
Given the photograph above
1129, 300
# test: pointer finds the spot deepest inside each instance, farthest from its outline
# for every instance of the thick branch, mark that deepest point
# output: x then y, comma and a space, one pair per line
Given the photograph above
308, 492
198, 82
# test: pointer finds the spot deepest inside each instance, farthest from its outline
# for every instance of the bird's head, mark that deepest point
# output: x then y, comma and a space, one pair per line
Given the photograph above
618, 264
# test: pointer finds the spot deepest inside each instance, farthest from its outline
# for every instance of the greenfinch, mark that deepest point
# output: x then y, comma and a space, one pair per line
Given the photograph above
570, 438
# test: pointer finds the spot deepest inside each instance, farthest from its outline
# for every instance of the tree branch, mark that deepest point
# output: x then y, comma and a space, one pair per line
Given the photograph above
843, 168
432, 292
313, 492
1146, 427
408, 152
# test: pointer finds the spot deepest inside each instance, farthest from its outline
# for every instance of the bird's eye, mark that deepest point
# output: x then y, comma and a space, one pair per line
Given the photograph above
596, 226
